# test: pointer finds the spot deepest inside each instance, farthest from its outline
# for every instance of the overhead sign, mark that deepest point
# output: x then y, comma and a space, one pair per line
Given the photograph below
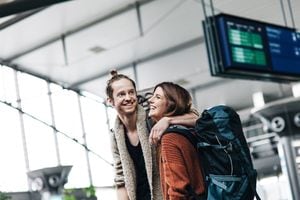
249, 49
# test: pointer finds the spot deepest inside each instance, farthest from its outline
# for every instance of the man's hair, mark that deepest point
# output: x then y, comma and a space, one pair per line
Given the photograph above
179, 100
115, 77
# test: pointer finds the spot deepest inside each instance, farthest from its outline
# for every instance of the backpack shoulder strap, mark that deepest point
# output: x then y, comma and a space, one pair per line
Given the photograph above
189, 133
149, 121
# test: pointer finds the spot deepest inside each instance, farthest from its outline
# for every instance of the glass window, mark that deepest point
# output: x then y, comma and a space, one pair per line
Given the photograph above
40, 136
40, 144
34, 96
13, 168
74, 154
102, 172
7, 85
98, 140
66, 112
112, 114
96, 128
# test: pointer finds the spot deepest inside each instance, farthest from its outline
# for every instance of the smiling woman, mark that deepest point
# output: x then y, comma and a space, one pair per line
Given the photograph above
179, 164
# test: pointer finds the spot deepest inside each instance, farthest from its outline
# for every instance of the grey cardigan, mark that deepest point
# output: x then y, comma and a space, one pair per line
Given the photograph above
123, 164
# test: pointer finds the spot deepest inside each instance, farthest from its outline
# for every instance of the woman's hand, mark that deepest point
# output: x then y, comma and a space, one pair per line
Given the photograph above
158, 129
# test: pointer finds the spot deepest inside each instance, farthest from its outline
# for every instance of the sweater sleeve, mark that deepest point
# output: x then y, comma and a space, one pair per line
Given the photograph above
174, 166
119, 176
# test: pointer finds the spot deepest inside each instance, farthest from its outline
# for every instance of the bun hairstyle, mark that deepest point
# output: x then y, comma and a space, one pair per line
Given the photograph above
113, 73
116, 77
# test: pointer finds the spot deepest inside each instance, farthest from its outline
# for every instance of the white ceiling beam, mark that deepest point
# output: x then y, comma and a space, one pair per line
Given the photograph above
78, 29
168, 51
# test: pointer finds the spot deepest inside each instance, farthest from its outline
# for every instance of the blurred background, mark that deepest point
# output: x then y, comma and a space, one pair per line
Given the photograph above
55, 59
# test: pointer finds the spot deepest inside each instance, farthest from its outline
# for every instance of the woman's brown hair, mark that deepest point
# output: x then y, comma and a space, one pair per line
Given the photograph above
115, 77
179, 99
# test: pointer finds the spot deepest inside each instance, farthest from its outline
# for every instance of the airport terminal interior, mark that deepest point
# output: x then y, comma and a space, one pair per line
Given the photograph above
55, 60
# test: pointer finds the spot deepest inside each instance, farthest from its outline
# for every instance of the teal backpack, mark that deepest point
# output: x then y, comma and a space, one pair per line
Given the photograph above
224, 154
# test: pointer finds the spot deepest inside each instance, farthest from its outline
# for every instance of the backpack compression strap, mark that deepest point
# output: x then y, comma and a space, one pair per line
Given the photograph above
248, 172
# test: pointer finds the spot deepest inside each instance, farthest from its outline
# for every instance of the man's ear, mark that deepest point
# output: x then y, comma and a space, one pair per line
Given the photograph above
110, 102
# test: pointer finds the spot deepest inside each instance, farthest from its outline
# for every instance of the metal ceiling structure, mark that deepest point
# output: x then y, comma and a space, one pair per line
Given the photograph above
76, 43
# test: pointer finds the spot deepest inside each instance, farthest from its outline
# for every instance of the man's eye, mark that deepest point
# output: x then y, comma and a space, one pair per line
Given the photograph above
120, 95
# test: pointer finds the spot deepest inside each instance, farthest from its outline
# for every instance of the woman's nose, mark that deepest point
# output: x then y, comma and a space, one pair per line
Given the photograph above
150, 100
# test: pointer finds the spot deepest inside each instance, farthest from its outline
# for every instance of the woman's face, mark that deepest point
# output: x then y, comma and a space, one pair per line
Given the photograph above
158, 104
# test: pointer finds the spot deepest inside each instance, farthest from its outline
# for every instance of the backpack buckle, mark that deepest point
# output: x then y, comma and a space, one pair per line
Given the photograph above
229, 147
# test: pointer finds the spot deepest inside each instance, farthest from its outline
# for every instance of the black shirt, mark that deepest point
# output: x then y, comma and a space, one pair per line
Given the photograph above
136, 154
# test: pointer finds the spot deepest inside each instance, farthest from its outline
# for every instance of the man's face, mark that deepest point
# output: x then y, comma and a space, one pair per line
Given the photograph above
124, 97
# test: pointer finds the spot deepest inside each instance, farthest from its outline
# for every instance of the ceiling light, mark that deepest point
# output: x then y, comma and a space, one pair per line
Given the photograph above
182, 81
258, 99
296, 90
96, 49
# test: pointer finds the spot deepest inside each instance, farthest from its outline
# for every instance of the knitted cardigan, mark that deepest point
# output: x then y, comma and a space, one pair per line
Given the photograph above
123, 164
180, 167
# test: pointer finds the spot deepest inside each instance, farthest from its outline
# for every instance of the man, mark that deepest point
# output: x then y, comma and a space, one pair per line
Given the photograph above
136, 167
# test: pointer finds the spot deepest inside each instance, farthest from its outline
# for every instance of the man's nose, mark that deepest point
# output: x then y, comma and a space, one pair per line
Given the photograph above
128, 96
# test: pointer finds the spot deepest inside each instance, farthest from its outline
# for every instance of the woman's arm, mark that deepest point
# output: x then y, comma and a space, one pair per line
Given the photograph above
158, 129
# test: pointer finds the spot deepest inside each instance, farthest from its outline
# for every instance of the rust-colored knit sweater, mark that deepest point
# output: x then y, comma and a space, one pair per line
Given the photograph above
179, 166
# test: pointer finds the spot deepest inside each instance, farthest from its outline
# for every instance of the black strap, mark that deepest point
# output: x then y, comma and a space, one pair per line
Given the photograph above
192, 193
149, 123
184, 131
247, 170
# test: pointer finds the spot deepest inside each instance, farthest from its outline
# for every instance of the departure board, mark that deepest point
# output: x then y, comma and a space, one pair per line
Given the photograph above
284, 47
246, 48
245, 44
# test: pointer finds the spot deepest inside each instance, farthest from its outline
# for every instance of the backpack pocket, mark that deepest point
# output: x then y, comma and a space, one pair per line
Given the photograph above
226, 187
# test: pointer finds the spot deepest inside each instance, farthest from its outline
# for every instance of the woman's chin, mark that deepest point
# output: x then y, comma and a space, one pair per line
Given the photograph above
151, 114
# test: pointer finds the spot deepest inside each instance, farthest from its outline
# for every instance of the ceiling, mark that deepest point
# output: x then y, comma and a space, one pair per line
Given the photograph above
76, 43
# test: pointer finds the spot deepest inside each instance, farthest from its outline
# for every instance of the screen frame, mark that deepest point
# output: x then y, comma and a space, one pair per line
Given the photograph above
18, 6
218, 52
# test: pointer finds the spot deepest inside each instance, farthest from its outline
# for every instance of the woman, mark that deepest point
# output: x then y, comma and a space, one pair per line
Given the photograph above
179, 164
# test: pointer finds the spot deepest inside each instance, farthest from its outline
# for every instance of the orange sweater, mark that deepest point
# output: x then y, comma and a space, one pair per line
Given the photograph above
179, 166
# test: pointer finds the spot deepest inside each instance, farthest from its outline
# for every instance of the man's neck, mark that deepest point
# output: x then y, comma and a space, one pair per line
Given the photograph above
129, 122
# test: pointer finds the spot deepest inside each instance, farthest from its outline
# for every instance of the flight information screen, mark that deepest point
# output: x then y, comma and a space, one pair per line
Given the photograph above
244, 44
265, 50
284, 47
